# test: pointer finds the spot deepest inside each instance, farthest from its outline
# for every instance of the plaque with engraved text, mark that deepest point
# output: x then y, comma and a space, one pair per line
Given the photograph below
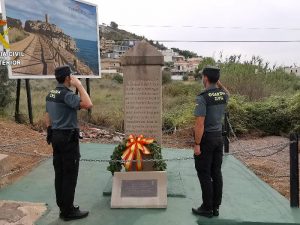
138, 188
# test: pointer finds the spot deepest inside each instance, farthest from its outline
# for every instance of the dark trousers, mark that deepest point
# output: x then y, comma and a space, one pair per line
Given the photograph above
66, 165
208, 165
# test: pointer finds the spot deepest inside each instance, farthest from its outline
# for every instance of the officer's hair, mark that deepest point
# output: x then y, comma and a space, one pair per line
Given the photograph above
61, 79
213, 79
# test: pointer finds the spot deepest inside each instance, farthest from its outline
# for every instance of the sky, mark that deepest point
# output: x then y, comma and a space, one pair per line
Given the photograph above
213, 13
283, 14
76, 19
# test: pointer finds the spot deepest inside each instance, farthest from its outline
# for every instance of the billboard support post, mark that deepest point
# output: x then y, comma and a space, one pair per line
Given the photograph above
17, 109
88, 90
28, 92
29, 103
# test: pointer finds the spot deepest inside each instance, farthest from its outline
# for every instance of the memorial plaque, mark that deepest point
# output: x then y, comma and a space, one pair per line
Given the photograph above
139, 188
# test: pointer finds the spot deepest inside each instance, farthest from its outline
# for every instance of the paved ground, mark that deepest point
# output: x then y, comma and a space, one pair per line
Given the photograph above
17, 213
247, 199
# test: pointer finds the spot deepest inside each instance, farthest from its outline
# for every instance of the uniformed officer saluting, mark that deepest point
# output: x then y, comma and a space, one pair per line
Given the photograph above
61, 118
208, 149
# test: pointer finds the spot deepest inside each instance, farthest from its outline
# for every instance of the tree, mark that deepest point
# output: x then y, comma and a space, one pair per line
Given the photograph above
185, 53
205, 62
114, 25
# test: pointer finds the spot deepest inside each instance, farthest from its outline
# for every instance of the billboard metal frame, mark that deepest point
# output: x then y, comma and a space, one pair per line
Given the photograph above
51, 76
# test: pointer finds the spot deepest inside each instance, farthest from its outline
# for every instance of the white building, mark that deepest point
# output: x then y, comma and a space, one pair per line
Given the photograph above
293, 70
169, 55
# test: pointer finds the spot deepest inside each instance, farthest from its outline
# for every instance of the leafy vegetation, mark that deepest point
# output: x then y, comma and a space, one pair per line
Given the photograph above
262, 100
154, 148
6, 89
185, 53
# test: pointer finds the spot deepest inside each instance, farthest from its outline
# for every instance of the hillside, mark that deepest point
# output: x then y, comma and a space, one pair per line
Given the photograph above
118, 35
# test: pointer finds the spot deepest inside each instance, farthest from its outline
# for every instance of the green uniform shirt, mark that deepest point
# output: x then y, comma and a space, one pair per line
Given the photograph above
62, 105
211, 104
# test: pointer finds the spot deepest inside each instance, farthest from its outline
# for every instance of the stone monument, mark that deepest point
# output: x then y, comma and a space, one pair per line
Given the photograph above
142, 69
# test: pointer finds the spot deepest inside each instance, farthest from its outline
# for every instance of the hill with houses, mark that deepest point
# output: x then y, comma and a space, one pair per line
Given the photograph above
115, 42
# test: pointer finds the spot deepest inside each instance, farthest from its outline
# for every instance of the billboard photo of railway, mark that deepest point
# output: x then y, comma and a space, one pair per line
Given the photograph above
46, 34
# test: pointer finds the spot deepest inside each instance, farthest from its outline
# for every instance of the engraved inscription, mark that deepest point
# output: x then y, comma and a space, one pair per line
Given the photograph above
143, 107
139, 188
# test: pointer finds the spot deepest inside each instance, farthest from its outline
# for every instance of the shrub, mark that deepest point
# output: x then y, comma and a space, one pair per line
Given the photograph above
294, 111
238, 114
118, 78
166, 77
179, 88
270, 116
6, 88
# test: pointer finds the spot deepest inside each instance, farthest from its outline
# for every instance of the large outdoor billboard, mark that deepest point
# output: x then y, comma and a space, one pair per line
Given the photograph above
45, 34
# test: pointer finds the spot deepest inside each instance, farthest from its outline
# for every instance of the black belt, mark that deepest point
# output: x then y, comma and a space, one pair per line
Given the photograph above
65, 130
213, 134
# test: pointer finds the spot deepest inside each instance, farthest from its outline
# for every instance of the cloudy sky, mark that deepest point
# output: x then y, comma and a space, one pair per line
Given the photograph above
76, 19
213, 13
245, 14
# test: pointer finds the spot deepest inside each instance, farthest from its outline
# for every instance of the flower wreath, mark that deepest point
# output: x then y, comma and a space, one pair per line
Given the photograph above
134, 148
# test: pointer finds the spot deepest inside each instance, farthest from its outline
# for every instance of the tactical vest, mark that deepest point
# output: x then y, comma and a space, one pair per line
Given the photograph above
214, 96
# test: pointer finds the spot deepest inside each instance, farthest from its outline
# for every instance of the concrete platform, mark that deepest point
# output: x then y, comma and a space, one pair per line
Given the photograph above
247, 199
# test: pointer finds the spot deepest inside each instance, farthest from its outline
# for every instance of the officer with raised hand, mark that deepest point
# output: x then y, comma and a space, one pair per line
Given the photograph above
63, 132
208, 148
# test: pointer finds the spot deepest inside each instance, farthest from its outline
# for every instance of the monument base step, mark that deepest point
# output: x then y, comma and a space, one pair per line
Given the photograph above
175, 187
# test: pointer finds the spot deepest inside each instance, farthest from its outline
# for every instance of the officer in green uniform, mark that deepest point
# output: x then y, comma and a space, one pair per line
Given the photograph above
208, 149
61, 119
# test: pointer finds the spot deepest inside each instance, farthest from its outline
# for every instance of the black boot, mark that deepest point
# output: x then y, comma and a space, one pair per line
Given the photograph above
201, 211
75, 207
216, 211
73, 214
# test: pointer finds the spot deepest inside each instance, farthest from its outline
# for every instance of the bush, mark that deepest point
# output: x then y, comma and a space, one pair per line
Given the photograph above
179, 88
272, 116
179, 116
166, 77
238, 114
118, 78
6, 88
185, 78
294, 111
